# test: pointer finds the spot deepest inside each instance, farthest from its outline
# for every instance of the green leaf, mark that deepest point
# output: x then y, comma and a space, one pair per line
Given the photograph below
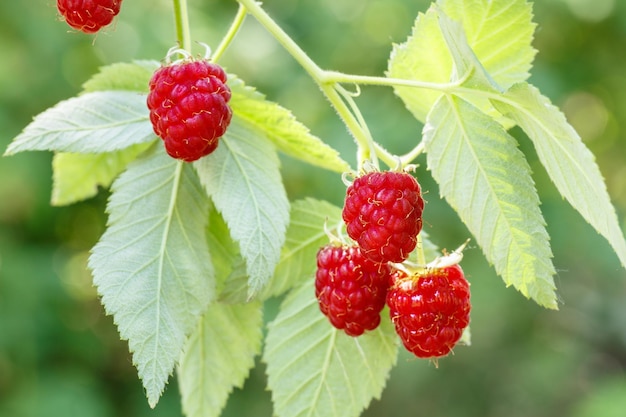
224, 250
468, 70
431, 251
152, 265
425, 57
500, 33
570, 164
129, 76
236, 290
486, 179
466, 66
218, 356
76, 176
96, 122
282, 128
230, 267
242, 177
305, 236
316, 370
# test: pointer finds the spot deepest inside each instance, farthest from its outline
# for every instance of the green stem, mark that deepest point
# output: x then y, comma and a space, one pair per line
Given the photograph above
384, 155
230, 35
338, 77
414, 153
368, 153
316, 73
281, 36
181, 17
358, 132
329, 82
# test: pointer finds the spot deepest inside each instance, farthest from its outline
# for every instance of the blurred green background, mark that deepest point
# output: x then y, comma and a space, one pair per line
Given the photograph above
61, 356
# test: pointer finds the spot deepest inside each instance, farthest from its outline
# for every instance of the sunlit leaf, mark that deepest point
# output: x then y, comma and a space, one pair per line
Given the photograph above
235, 289
570, 164
466, 66
469, 71
498, 34
486, 179
424, 57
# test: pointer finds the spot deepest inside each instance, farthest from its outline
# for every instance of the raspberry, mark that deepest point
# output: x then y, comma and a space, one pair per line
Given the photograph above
88, 16
383, 214
188, 107
430, 310
350, 288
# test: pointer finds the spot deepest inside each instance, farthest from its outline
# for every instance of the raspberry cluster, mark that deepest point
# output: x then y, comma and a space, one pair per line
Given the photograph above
88, 16
430, 310
188, 103
350, 288
383, 214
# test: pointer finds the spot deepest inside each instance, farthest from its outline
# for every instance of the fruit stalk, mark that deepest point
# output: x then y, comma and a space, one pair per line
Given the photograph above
181, 18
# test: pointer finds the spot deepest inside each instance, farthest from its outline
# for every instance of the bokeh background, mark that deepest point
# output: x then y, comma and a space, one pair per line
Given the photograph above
60, 356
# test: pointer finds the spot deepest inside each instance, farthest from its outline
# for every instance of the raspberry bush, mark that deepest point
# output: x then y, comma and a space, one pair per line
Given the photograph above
201, 232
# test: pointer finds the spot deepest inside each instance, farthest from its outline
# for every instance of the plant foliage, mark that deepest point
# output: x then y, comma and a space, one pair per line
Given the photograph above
192, 251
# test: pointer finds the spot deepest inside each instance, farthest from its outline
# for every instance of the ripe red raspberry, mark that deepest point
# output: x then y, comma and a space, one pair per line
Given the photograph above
188, 107
430, 310
88, 16
383, 214
350, 288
